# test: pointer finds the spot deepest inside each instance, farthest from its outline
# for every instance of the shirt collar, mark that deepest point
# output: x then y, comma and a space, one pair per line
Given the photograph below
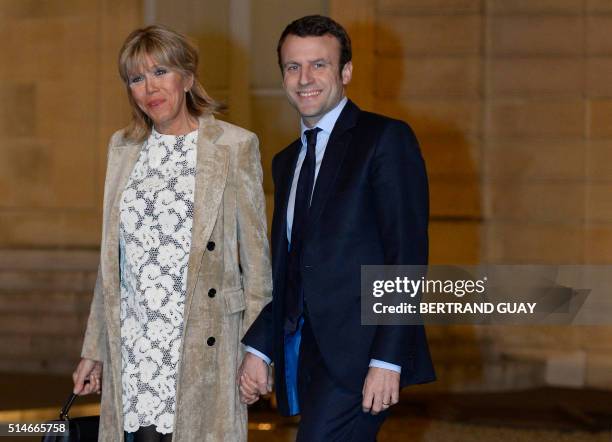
327, 123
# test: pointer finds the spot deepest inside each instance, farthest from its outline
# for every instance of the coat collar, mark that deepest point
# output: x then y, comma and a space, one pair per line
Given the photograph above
347, 119
334, 155
210, 180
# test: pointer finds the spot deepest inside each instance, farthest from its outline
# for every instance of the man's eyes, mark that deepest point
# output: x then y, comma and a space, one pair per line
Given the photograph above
295, 67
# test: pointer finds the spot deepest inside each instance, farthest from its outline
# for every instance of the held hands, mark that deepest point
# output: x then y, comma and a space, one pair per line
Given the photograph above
87, 370
380, 390
253, 379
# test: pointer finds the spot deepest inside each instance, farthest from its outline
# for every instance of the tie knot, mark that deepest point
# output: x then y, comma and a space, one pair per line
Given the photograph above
311, 136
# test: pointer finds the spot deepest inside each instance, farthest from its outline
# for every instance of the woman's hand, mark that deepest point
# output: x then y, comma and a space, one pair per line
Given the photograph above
87, 370
253, 378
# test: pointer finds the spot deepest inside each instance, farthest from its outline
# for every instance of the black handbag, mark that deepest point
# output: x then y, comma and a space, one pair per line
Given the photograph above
80, 429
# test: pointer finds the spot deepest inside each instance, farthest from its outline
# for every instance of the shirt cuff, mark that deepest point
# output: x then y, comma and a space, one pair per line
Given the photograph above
257, 353
383, 364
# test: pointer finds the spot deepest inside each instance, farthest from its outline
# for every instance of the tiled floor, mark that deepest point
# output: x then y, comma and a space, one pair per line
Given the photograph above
428, 430
529, 416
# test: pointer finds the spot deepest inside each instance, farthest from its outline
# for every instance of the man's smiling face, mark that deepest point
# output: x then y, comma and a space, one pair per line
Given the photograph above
312, 78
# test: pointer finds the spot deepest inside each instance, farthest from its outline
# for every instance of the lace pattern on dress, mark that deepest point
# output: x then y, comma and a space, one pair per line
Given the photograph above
156, 217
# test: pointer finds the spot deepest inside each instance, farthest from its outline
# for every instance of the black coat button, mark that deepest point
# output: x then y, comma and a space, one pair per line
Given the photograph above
210, 341
212, 293
210, 246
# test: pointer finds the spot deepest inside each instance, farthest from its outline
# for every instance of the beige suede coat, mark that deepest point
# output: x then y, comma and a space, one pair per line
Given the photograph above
229, 253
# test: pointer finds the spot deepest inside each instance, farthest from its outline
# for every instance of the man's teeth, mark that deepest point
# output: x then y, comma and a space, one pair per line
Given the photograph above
309, 94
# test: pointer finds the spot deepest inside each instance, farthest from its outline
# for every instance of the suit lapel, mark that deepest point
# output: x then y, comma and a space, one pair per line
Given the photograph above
335, 150
286, 180
285, 170
334, 154
121, 161
210, 179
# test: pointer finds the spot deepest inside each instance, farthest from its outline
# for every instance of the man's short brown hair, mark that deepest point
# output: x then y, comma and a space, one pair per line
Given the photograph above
317, 26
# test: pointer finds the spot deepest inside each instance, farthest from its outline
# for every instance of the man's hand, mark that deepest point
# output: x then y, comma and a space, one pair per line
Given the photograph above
87, 370
380, 390
253, 378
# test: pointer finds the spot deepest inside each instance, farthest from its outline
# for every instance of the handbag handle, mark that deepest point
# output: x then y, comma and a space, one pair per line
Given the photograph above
66, 408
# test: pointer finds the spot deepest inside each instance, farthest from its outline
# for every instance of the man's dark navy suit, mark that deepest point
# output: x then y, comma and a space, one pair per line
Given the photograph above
369, 206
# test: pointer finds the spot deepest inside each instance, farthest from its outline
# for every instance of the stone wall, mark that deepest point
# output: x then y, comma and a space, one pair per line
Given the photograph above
44, 305
511, 102
60, 102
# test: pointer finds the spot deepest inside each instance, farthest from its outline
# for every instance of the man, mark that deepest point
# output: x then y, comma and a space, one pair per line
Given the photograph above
351, 191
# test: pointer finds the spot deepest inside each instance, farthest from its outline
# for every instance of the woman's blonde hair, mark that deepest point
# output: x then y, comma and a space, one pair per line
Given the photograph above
170, 49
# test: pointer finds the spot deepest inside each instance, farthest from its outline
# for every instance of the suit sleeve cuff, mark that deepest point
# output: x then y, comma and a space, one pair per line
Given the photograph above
383, 364
257, 353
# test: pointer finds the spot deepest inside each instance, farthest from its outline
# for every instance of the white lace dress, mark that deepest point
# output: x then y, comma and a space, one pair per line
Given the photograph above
156, 216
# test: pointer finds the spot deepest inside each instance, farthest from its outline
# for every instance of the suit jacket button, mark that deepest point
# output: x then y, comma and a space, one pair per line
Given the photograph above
210, 246
212, 293
210, 341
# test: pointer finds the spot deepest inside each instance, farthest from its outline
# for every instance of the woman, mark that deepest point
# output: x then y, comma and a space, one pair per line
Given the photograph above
184, 265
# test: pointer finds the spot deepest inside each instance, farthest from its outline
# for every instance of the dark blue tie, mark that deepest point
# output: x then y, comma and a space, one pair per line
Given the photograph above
294, 300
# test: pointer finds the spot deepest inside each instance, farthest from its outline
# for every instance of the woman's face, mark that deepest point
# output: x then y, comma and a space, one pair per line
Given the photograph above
159, 92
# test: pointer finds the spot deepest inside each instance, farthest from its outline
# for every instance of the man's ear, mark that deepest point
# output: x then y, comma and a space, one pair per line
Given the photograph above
347, 72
